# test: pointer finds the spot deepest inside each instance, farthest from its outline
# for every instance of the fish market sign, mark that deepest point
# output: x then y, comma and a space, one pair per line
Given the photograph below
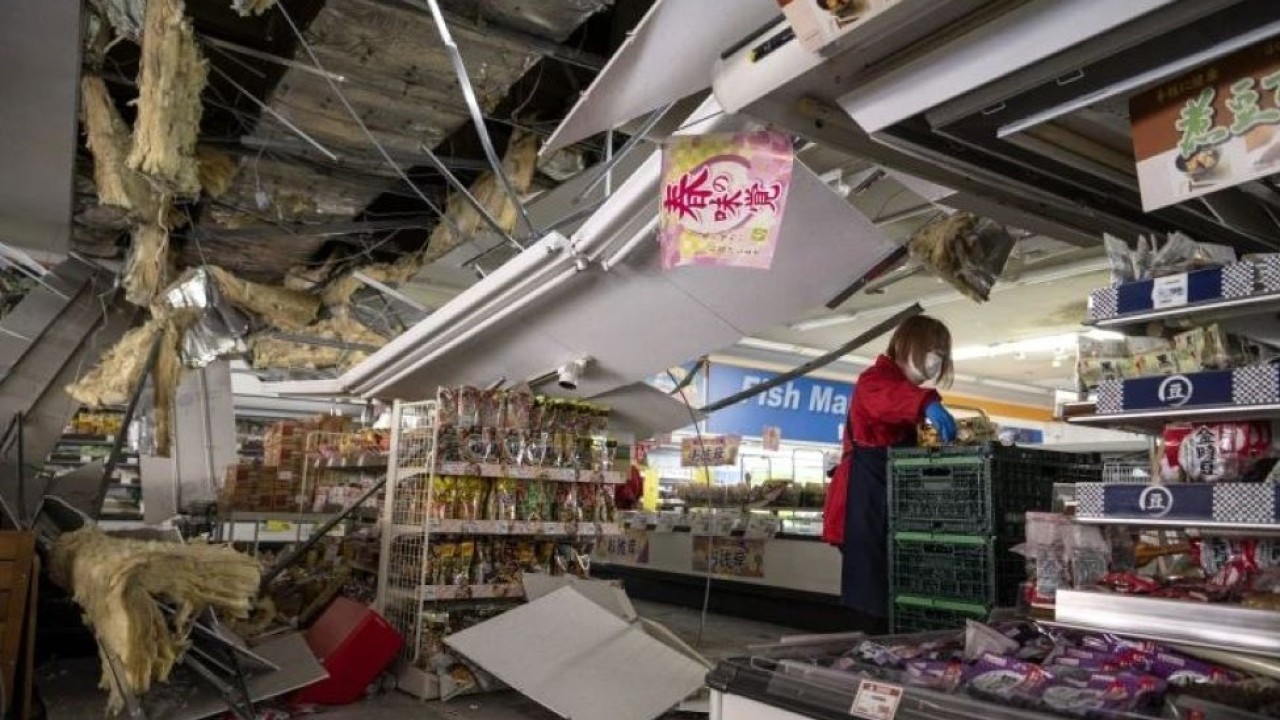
1209, 129
723, 197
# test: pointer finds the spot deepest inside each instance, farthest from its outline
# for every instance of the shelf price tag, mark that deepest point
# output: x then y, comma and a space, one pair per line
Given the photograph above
1170, 291
876, 701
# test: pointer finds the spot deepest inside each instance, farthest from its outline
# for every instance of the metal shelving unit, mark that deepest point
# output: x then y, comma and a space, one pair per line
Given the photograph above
1217, 627
410, 593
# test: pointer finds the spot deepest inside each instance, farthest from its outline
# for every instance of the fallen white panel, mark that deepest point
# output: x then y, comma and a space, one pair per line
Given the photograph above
605, 593
669, 55
635, 320
823, 246
579, 660
644, 411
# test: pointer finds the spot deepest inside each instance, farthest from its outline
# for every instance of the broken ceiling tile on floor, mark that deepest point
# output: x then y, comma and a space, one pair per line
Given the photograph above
580, 660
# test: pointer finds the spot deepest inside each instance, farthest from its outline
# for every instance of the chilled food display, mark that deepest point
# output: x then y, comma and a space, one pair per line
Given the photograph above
1040, 669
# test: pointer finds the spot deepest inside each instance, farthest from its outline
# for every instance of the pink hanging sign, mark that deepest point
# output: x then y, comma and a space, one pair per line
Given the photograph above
723, 197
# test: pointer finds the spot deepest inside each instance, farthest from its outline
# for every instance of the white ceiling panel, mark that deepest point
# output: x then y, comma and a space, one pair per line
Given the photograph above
668, 56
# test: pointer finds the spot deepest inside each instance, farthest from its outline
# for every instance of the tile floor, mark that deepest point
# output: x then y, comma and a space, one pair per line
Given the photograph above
69, 688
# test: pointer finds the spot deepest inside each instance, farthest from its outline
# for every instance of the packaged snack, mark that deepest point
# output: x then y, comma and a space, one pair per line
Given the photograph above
503, 500
1008, 679
443, 498
935, 674
447, 413
466, 552
468, 407
567, 509
491, 402
1223, 452
479, 445
1130, 583
511, 446
1106, 693
1181, 670
981, 639
443, 566
1088, 554
519, 411
531, 501
471, 498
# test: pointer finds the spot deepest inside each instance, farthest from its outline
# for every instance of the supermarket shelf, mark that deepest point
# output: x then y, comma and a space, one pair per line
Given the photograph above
73, 439
1151, 421
1202, 312
277, 516
1218, 627
1184, 524
428, 593
518, 472
513, 527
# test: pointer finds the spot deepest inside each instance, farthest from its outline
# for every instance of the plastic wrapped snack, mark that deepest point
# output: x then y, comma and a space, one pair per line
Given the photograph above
965, 250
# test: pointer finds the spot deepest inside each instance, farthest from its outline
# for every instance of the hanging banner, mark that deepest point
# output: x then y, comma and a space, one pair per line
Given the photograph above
732, 556
723, 197
709, 451
1209, 129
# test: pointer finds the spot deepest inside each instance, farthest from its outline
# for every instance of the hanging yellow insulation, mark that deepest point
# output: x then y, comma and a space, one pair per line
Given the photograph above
520, 163
281, 307
272, 352
117, 582
217, 170
108, 141
170, 81
112, 380
339, 292
168, 375
146, 270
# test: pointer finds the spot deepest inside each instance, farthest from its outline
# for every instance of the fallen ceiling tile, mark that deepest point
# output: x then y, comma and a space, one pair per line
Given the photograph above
580, 660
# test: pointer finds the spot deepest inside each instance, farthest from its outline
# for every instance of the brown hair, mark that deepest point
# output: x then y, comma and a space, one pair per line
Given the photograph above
916, 337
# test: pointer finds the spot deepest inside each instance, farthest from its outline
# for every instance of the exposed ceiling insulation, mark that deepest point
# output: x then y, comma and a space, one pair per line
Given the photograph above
299, 159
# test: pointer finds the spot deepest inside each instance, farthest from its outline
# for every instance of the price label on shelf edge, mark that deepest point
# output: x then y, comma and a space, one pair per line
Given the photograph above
1169, 291
876, 701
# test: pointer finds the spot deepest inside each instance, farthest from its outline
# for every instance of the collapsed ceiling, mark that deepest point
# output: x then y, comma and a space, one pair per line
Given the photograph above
287, 144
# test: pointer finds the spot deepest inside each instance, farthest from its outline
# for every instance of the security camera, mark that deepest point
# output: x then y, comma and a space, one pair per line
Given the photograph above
569, 373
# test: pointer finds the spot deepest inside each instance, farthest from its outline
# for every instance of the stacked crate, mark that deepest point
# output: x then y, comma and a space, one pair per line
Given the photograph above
955, 514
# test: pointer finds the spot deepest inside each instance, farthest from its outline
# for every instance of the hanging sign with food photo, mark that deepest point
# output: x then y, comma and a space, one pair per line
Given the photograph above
1209, 129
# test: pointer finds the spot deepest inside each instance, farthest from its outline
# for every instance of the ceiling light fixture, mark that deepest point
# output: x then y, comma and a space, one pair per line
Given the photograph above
823, 322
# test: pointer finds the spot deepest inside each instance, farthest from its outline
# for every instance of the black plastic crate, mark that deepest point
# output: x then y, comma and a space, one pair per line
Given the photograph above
965, 568
978, 490
910, 614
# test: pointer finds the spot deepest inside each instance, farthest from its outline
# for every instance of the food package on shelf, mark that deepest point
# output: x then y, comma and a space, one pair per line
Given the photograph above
258, 488
1217, 452
1150, 258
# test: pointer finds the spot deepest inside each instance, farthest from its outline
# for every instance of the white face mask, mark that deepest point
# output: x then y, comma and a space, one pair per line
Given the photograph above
932, 369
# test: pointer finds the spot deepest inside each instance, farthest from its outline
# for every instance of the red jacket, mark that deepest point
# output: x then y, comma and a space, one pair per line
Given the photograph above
886, 409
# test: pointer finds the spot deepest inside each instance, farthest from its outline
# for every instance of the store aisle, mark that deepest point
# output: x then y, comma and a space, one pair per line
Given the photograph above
70, 687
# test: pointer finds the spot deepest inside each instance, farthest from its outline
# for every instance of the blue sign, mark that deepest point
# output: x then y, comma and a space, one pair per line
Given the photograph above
806, 409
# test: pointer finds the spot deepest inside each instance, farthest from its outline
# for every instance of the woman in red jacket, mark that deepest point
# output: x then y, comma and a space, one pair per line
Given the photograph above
888, 403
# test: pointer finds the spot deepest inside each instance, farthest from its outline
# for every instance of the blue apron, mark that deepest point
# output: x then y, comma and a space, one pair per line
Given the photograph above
864, 580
